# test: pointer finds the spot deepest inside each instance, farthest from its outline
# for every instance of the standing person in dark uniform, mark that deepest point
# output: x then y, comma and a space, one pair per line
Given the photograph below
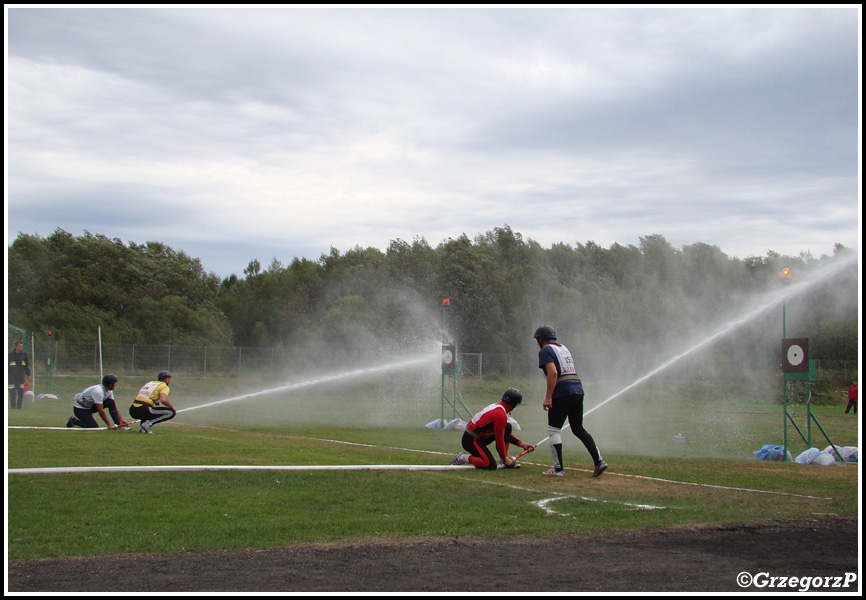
851, 394
563, 399
19, 373
488, 425
852, 398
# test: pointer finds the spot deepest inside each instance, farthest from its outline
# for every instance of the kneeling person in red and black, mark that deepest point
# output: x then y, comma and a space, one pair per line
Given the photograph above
151, 405
488, 426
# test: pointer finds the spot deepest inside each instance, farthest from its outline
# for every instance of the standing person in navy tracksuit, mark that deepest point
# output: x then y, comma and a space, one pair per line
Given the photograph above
563, 399
490, 425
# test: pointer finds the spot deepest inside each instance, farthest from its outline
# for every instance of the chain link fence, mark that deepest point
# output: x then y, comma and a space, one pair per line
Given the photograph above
134, 360
505, 364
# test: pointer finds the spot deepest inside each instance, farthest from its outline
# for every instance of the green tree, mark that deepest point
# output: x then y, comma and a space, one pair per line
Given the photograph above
137, 293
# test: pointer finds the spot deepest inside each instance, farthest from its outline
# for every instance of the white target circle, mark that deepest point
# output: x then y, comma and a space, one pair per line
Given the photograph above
447, 357
796, 355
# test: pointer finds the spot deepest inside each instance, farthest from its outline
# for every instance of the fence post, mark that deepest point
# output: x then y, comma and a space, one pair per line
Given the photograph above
33, 363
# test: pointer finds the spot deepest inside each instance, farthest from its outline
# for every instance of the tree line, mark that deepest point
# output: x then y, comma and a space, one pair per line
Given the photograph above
620, 300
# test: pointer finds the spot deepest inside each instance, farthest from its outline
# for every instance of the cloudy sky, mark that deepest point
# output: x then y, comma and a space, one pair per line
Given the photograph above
235, 133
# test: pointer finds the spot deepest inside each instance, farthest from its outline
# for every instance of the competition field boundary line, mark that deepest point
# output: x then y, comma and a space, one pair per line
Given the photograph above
154, 468
368, 467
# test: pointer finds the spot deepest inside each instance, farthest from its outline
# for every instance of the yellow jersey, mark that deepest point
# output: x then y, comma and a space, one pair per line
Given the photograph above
150, 392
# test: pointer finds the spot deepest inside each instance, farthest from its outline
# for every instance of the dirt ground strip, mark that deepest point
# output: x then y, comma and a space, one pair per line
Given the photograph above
701, 559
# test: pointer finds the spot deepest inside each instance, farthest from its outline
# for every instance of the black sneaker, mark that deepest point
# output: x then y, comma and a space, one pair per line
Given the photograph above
70, 422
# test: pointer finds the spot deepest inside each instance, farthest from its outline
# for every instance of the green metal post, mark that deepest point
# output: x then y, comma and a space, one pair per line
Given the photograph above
785, 415
442, 397
809, 414
444, 341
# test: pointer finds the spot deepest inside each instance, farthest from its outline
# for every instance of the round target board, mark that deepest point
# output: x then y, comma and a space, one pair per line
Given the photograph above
448, 357
795, 355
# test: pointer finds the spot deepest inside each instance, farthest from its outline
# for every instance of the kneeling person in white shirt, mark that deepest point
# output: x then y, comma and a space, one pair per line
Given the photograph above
96, 399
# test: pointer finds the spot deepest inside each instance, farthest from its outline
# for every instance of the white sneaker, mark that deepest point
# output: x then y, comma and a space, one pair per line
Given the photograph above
145, 427
461, 459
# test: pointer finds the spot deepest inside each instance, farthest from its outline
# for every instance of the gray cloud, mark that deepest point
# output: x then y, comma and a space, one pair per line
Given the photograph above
289, 130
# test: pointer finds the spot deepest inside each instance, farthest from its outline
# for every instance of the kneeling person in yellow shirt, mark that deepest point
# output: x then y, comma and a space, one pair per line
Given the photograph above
151, 405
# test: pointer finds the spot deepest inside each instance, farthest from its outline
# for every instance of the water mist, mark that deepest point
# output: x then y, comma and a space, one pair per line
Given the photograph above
760, 307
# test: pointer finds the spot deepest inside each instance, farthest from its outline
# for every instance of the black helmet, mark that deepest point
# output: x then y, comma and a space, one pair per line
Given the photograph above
108, 379
512, 396
163, 375
545, 332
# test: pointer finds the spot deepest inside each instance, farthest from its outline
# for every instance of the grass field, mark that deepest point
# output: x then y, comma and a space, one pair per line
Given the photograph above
712, 477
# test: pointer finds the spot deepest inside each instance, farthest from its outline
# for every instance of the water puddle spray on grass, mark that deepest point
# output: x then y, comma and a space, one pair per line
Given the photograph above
763, 305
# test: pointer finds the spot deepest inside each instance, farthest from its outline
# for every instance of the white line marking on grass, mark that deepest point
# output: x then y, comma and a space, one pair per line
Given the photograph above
721, 487
124, 469
607, 473
130, 423
61, 428
542, 504
342, 442
610, 473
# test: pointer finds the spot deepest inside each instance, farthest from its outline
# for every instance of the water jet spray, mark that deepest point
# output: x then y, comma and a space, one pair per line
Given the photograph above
319, 380
768, 302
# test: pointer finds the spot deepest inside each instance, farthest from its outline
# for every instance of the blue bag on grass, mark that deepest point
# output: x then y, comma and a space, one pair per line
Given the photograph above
771, 452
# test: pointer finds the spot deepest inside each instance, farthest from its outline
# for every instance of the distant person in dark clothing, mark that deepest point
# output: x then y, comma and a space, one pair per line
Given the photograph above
852, 398
19, 373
